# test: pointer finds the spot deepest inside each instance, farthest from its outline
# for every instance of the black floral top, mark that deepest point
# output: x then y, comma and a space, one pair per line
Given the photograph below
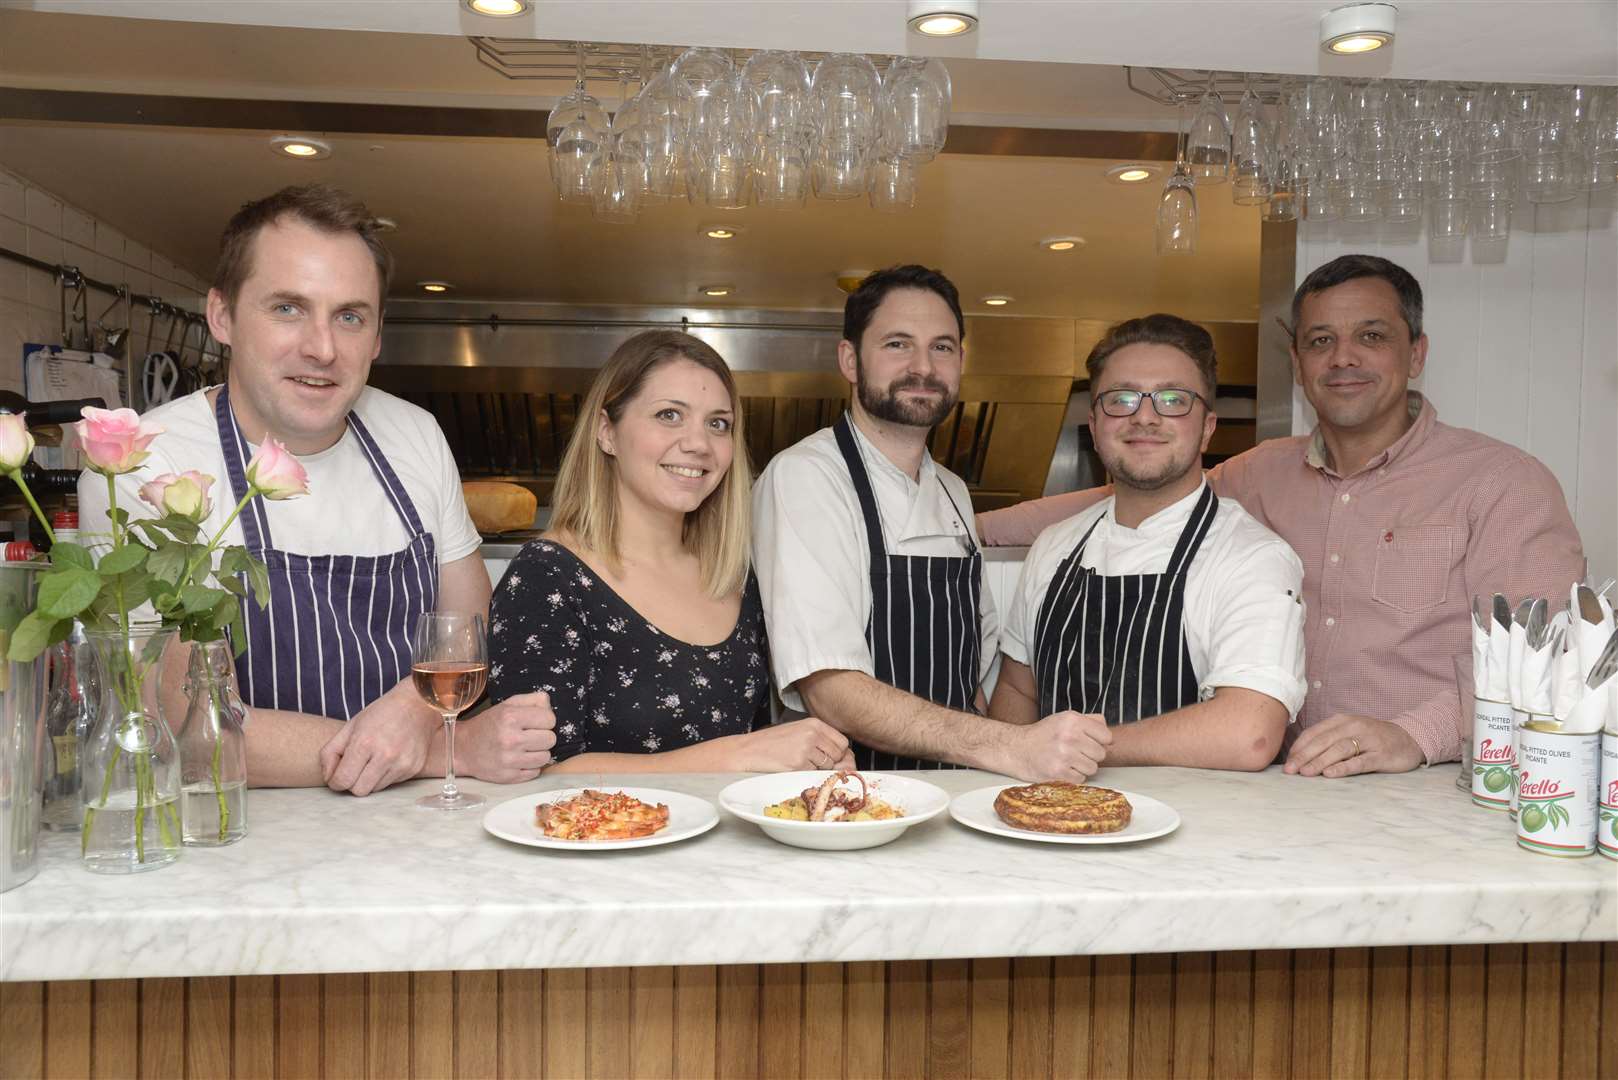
618, 684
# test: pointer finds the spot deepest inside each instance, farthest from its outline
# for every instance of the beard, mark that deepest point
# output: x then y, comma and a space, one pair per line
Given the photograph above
888, 405
1148, 478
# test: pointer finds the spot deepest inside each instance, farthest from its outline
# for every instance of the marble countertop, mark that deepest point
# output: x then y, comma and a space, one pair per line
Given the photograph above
329, 883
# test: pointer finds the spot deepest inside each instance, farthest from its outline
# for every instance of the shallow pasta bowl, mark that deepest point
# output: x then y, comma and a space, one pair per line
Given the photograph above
918, 799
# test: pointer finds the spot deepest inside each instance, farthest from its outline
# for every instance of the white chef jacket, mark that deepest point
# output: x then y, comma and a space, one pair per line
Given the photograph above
813, 563
1243, 609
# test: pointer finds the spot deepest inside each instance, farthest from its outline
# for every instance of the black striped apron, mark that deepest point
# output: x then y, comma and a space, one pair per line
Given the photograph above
923, 631
335, 635
1115, 645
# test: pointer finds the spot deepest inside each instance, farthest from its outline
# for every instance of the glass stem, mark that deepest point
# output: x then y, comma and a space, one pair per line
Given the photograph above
450, 790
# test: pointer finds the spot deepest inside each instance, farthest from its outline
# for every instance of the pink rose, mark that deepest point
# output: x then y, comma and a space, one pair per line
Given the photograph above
15, 442
275, 474
185, 494
114, 441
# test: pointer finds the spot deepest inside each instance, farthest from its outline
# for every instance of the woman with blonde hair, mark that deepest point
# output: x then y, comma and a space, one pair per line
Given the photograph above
636, 611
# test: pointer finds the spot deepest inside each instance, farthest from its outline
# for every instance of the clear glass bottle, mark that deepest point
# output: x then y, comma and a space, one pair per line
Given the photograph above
129, 766
70, 708
213, 750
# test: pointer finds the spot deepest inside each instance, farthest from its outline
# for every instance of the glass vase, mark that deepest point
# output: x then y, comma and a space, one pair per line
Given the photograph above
70, 707
130, 764
213, 750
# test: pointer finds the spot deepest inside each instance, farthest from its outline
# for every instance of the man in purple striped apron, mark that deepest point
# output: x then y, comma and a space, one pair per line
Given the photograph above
382, 536
868, 561
1164, 613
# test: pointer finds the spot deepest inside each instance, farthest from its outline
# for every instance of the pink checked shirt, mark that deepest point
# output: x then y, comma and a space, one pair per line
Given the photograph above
1392, 556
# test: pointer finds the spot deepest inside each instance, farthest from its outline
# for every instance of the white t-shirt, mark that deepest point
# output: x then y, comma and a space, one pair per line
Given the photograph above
1243, 612
814, 564
346, 511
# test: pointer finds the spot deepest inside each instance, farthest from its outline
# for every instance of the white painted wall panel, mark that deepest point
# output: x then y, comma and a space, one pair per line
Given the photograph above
1524, 345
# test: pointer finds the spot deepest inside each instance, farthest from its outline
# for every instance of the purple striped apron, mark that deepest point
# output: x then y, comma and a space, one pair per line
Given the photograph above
335, 635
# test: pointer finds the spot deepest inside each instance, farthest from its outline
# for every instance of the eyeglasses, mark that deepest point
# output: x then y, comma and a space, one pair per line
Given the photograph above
1167, 402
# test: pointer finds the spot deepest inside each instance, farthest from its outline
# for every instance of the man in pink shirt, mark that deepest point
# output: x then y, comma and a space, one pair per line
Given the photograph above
1399, 520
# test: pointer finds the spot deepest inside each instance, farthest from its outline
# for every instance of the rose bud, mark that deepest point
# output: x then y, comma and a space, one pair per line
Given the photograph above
275, 474
15, 443
185, 495
114, 441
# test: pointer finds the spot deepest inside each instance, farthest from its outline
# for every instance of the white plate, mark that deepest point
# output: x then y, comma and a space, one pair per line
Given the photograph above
918, 799
514, 819
1149, 818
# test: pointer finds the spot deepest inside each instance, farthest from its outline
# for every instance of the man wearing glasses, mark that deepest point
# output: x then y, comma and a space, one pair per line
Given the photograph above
1169, 613
1400, 519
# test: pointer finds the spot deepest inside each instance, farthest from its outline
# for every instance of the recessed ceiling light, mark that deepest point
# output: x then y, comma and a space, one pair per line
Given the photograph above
716, 290
997, 301
1357, 28
849, 280
299, 147
943, 18
496, 9
721, 232
1062, 243
1132, 173
435, 286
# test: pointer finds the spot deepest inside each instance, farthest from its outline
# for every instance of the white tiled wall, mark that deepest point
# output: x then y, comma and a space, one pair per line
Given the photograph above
38, 224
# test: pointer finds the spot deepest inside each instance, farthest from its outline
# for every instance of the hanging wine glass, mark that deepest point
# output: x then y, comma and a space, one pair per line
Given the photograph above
845, 89
577, 131
1249, 152
1284, 195
913, 110
666, 107
1177, 208
1208, 144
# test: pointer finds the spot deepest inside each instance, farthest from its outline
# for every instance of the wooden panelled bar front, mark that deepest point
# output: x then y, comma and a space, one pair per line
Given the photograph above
1424, 1011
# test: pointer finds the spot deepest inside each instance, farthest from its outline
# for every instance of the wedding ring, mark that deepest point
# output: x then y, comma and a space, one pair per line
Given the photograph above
1356, 743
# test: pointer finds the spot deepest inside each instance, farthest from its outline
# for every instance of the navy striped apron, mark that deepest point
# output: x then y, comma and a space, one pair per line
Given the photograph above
335, 635
1115, 645
923, 631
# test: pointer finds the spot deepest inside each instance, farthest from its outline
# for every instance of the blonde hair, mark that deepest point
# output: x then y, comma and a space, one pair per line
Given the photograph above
585, 501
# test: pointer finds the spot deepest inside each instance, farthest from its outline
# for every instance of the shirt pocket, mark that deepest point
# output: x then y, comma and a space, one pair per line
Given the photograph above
1413, 564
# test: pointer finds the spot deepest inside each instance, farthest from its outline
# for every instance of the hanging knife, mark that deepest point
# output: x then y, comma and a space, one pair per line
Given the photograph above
1502, 612
1535, 624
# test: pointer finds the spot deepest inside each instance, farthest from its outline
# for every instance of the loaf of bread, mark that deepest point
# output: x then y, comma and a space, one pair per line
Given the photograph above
498, 507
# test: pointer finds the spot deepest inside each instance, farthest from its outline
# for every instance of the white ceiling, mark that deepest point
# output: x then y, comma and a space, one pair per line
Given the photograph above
1496, 40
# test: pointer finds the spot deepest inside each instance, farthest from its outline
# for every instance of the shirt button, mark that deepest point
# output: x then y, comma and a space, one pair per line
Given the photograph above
1346, 496
1336, 557
1317, 684
1331, 622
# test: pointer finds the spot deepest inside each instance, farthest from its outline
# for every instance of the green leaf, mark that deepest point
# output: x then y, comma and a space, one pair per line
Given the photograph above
260, 578
224, 613
168, 562
182, 528
238, 633
65, 593
118, 517
195, 598
232, 584
124, 559
31, 637
65, 553
233, 560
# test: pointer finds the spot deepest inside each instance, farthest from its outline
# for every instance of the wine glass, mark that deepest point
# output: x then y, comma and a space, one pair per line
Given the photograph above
449, 665
1208, 144
1177, 209
1251, 183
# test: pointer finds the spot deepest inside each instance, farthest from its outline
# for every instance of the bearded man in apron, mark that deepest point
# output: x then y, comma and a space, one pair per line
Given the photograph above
1170, 615
867, 557
382, 536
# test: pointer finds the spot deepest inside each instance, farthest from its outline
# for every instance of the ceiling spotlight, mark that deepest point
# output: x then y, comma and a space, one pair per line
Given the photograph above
716, 290
997, 301
721, 232
943, 18
496, 9
299, 147
434, 286
1061, 243
1132, 173
1357, 28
